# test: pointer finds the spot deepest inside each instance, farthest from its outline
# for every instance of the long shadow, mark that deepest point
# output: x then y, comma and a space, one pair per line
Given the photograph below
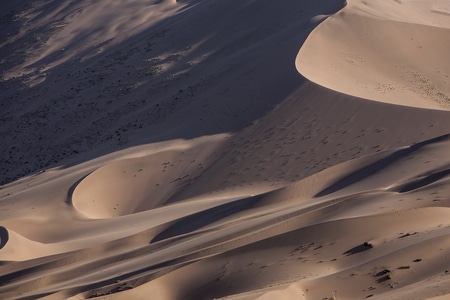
358, 249
4, 236
416, 184
201, 219
136, 91
378, 166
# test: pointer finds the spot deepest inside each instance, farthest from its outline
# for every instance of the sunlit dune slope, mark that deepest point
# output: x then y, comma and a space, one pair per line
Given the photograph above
293, 236
224, 149
389, 51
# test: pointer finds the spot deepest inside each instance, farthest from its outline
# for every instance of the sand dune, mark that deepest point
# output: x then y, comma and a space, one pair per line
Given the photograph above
386, 39
225, 150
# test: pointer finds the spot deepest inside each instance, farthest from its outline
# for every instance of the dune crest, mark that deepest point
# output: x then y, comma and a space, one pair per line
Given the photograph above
226, 149
390, 51
305, 225
137, 184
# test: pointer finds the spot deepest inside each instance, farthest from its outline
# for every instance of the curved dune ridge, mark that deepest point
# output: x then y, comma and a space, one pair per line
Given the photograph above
394, 52
207, 167
293, 238
137, 184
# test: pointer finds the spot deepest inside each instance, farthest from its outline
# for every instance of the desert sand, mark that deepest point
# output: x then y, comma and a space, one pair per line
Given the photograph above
225, 149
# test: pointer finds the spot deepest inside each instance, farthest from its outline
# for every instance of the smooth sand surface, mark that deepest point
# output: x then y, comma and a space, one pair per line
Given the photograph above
401, 46
225, 149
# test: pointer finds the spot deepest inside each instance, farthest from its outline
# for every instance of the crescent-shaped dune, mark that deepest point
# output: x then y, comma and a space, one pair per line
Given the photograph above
385, 52
137, 184
228, 149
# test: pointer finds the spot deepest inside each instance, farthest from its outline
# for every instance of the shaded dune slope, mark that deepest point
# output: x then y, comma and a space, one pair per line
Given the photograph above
136, 69
248, 180
305, 225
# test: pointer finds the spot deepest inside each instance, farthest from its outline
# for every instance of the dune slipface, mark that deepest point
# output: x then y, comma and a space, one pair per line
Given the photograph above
225, 150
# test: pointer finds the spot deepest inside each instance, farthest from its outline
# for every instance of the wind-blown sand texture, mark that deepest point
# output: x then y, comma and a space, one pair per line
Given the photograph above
225, 149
